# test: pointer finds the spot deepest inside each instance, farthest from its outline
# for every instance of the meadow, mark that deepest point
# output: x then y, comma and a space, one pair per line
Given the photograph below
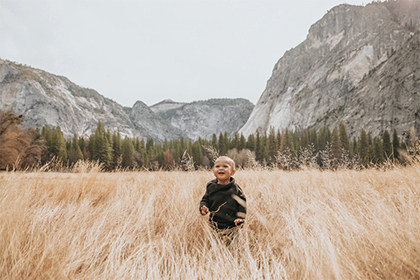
307, 224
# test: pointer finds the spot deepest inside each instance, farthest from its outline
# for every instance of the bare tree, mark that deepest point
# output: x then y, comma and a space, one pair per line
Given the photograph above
187, 162
18, 148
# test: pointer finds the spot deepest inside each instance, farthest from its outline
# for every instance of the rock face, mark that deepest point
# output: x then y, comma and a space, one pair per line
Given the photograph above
203, 118
47, 99
144, 119
359, 65
165, 106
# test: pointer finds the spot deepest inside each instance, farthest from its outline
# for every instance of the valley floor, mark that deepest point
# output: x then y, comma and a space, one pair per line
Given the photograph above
300, 225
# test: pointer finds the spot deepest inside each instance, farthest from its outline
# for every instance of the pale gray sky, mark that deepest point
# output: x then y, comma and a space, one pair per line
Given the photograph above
184, 50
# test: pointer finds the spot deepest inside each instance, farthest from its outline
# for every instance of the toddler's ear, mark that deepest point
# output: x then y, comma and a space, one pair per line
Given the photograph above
233, 172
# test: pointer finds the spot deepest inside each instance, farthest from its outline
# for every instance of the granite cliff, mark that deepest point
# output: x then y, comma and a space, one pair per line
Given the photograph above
359, 65
203, 118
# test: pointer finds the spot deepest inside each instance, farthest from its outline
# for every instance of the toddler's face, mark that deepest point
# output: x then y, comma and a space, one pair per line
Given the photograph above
222, 170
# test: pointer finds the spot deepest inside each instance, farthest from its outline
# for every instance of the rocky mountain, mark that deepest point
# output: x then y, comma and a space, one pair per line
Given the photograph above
359, 65
47, 99
166, 105
144, 119
203, 118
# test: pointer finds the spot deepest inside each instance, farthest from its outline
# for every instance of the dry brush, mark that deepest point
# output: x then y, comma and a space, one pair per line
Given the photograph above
138, 225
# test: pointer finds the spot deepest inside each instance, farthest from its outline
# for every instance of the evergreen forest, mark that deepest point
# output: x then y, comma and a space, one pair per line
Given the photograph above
326, 148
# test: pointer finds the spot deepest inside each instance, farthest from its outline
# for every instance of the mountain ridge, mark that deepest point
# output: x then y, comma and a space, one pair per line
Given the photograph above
48, 99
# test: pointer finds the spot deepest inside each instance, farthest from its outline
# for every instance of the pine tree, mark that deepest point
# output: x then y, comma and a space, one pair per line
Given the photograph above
378, 151
278, 139
242, 142
106, 154
395, 145
363, 147
335, 148
370, 148
295, 142
140, 155
183, 145
108, 136
197, 153
160, 158
214, 140
324, 138
165, 144
127, 152
303, 138
286, 141
46, 133
68, 146
250, 143
75, 151
220, 144
223, 144
97, 140
101, 147
313, 138
150, 147
264, 148
58, 144
387, 146
235, 141
83, 144
344, 139
271, 147
92, 147
117, 148
226, 143
258, 148
354, 147
140, 145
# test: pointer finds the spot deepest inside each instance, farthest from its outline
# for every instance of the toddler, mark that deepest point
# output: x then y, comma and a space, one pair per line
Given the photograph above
224, 199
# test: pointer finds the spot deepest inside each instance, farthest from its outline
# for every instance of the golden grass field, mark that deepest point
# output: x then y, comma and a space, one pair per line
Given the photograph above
137, 225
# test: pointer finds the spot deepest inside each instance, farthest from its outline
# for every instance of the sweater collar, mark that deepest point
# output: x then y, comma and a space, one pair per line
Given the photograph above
218, 187
231, 181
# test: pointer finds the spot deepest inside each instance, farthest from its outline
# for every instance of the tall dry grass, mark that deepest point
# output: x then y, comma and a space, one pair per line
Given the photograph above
300, 225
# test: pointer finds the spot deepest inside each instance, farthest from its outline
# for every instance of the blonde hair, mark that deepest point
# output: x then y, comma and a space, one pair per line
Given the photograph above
230, 161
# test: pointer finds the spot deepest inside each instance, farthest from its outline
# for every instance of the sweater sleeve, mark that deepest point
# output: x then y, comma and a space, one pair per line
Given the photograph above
241, 199
205, 200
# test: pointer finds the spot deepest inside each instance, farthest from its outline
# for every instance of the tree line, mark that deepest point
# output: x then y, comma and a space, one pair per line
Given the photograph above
323, 148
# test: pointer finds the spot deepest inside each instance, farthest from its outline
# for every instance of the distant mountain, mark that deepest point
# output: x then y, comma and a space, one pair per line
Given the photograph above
144, 119
203, 118
47, 99
359, 65
165, 106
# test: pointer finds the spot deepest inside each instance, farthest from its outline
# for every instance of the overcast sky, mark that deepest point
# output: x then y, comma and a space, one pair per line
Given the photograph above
184, 50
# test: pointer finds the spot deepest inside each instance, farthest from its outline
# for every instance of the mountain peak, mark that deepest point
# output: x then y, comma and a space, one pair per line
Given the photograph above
140, 103
331, 76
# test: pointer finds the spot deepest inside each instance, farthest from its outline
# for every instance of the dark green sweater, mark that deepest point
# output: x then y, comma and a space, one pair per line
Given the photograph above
225, 202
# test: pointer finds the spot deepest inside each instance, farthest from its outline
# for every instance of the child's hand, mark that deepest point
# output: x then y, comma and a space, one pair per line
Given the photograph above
238, 221
204, 210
